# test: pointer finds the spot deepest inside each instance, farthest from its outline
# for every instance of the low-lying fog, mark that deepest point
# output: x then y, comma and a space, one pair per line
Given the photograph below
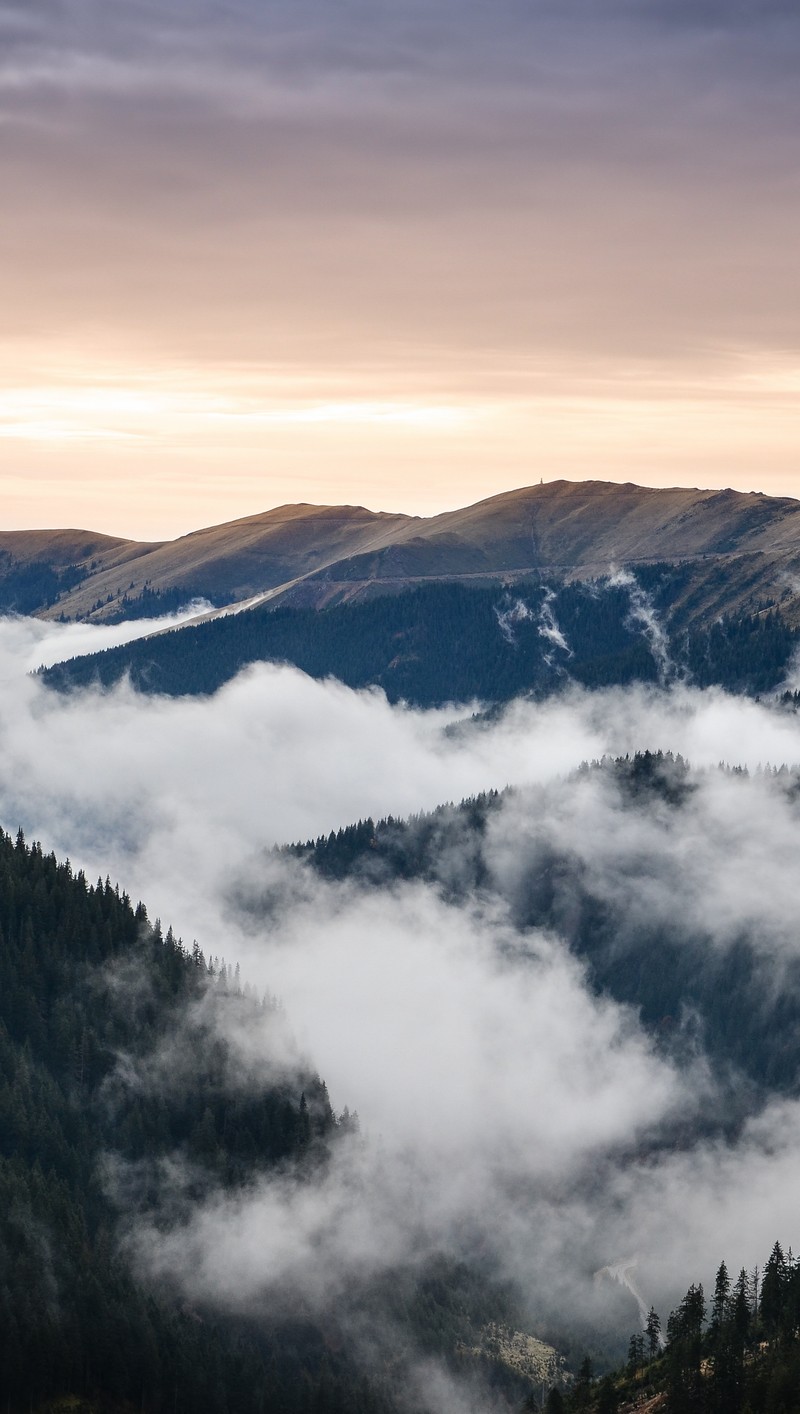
499, 1097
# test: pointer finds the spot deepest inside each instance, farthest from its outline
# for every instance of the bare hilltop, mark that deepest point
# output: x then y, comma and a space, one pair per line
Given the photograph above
744, 550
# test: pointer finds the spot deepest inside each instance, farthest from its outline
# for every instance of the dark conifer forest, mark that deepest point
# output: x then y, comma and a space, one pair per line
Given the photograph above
86, 981
687, 991
93, 999
446, 643
732, 1349
26, 588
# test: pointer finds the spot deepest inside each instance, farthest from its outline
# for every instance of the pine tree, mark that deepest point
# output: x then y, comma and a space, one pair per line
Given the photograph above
607, 1397
774, 1289
684, 1349
719, 1305
653, 1333
636, 1352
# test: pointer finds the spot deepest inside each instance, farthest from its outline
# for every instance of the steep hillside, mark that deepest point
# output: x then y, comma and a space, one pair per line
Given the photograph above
127, 1098
90, 994
444, 642
736, 1348
39, 568
653, 961
231, 562
743, 550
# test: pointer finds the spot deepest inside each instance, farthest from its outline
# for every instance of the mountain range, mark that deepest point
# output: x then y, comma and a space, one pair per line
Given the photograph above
740, 552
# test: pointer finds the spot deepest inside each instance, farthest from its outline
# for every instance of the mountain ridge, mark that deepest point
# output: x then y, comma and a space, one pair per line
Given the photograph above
318, 555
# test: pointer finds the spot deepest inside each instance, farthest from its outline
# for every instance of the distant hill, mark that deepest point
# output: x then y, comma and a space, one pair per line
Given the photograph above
444, 642
668, 972
583, 526
85, 576
744, 550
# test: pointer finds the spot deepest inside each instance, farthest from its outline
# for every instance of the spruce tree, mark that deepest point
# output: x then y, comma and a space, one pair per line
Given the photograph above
653, 1333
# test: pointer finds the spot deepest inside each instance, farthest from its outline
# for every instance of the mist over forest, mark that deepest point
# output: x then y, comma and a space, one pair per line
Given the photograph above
399, 707
443, 642
470, 1007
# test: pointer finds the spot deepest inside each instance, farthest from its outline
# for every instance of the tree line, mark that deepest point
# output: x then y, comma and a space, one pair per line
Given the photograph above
738, 1352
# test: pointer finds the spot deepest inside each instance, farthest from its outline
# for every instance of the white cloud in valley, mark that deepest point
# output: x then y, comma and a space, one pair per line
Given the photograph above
499, 1095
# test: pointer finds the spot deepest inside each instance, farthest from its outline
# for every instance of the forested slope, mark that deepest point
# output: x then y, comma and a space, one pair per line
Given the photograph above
89, 992
123, 1105
689, 991
447, 643
734, 1349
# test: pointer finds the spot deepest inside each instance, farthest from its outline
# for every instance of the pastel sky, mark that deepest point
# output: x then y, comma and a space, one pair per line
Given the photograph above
401, 254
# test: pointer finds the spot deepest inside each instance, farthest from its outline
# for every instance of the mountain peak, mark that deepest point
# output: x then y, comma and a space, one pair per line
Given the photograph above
325, 553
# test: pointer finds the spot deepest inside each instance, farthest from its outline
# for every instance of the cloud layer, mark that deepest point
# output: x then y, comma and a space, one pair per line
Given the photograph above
504, 1105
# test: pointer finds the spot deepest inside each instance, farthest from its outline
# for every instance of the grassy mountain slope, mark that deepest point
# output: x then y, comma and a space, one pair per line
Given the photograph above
740, 548
587, 525
231, 562
38, 568
318, 555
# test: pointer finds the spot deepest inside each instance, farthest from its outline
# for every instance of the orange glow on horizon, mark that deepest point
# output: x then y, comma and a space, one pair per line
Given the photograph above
408, 263
154, 455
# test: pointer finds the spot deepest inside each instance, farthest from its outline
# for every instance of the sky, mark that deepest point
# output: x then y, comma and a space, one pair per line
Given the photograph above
403, 255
